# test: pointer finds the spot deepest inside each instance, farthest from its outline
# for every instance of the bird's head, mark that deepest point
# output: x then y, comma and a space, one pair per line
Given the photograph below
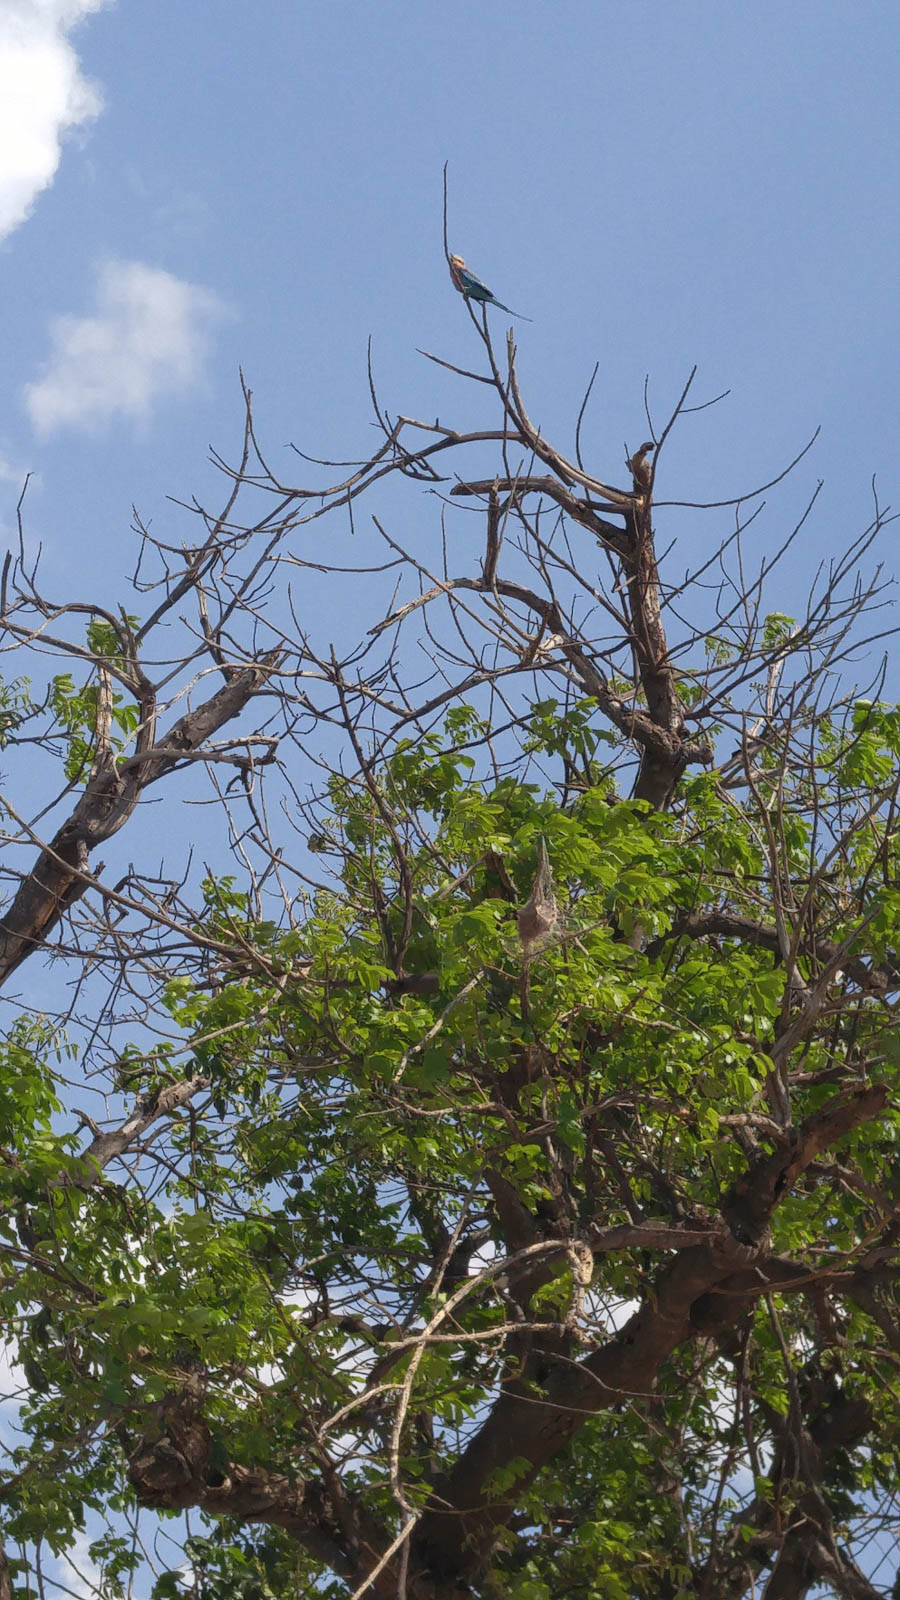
457, 261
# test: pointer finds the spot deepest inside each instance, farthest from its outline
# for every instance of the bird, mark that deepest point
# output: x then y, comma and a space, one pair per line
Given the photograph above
640, 468
471, 287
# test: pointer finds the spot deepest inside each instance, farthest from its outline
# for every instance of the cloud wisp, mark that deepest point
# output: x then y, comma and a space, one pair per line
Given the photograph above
43, 96
147, 339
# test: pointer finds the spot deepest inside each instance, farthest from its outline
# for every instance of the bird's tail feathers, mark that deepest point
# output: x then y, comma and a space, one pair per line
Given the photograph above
520, 314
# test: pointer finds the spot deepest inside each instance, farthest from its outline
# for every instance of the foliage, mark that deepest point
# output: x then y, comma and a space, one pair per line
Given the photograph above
411, 1255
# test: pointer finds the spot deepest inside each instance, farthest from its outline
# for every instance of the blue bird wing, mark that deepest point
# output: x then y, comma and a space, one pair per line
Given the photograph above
473, 286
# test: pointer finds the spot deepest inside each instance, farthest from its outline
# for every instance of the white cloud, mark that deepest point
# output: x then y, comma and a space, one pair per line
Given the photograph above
42, 97
148, 338
13, 1388
12, 1377
78, 1572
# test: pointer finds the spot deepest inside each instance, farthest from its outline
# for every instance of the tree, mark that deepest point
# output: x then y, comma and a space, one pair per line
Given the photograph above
488, 1183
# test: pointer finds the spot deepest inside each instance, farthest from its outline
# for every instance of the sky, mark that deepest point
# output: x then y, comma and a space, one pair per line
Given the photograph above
191, 189
186, 190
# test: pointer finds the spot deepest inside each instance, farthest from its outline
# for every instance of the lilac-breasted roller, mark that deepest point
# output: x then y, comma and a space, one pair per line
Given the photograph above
472, 288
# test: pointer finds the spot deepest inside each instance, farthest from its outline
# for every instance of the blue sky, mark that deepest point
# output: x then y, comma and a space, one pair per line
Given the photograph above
189, 188
186, 188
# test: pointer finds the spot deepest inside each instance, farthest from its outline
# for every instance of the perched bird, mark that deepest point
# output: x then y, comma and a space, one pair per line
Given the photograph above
640, 467
472, 288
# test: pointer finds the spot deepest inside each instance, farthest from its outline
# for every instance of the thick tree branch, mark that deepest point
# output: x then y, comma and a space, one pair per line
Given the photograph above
57, 880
